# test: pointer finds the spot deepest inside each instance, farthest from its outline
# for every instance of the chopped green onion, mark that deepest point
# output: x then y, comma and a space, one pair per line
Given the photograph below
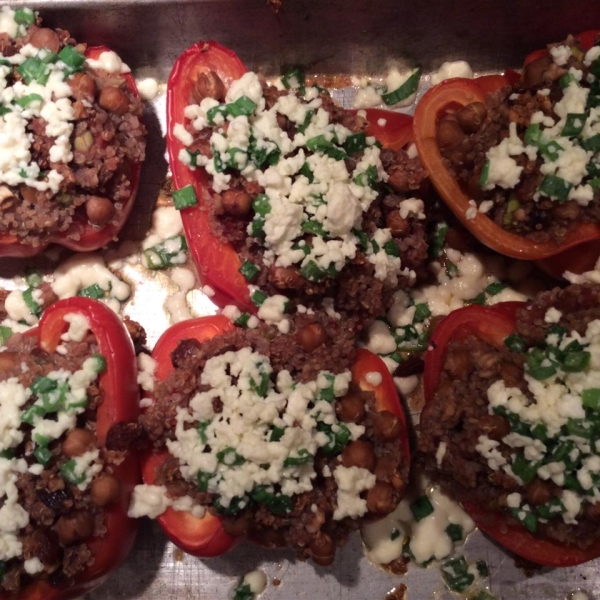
262, 387
185, 197
422, 313
407, 89
235, 506
5, 333
43, 385
540, 432
551, 150
278, 504
436, 243
202, 480
526, 518
243, 319
34, 69
202, 427
524, 469
591, 398
482, 568
261, 205
28, 416
313, 227
575, 362
68, 472
249, 270
484, 175
421, 508
451, 269
32, 305
293, 79
305, 170
193, 157
99, 363
550, 509
73, 59
479, 299
165, 254
304, 457
211, 113
355, 143
592, 144
257, 227
566, 80
230, 457
276, 434
261, 155
574, 124
43, 455
515, 343
455, 532
257, 298
27, 100
243, 106
312, 271
533, 135
92, 291
455, 573
579, 428
395, 534
391, 248
24, 16
369, 177
495, 288
337, 440
307, 119
511, 208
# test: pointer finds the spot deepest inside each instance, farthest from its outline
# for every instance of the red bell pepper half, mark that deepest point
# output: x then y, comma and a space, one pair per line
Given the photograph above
448, 97
217, 260
205, 537
120, 402
88, 237
493, 324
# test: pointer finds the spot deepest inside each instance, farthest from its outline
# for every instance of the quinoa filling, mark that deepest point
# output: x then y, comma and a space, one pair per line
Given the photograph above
71, 132
294, 456
314, 207
530, 157
517, 427
56, 478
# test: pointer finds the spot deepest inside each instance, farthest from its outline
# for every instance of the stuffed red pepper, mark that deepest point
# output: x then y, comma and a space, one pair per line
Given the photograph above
288, 440
512, 418
73, 140
64, 495
520, 166
283, 190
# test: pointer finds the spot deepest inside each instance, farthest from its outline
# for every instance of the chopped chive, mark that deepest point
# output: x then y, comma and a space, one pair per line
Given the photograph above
202, 480
165, 254
43, 385
24, 16
304, 457
27, 100
479, 299
455, 573
202, 427
43, 455
73, 59
257, 227
34, 69
305, 170
68, 472
407, 89
242, 320
533, 135
566, 80
307, 119
591, 398
312, 271
28, 416
262, 387
575, 362
230, 457
261, 205
524, 469
276, 434
185, 197
515, 343
529, 520
355, 143
436, 243
243, 106
391, 248
293, 79
592, 144
551, 150
313, 227
32, 305
278, 504
422, 313
495, 288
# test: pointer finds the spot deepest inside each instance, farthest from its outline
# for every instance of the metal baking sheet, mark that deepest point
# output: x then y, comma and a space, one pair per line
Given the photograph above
329, 38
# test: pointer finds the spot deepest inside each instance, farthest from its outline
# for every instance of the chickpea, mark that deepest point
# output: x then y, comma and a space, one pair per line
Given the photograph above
449, 134
311, 336
322, 549
45, 38
113, 100
286, 278
208, 85
82, 86
386, 470
539, 492
396, 223
237, 526
471, 116
78, 442
236, 203
351, 408
494, 426
8, 360
380, 498
388, 425
105, 490
359, 454
75, 527
399, 180
99, 210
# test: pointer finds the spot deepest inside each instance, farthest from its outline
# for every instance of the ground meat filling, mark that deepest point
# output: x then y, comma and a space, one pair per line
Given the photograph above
63, 509
357, 284
308, 523
530, 153
82, 145
470, 443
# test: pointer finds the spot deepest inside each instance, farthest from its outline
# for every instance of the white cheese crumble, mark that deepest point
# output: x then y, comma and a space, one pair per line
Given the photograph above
451, 69
146, 368
108, 61
351, 482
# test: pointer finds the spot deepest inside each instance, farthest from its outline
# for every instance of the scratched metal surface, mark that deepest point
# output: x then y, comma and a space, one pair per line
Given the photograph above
337, 36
